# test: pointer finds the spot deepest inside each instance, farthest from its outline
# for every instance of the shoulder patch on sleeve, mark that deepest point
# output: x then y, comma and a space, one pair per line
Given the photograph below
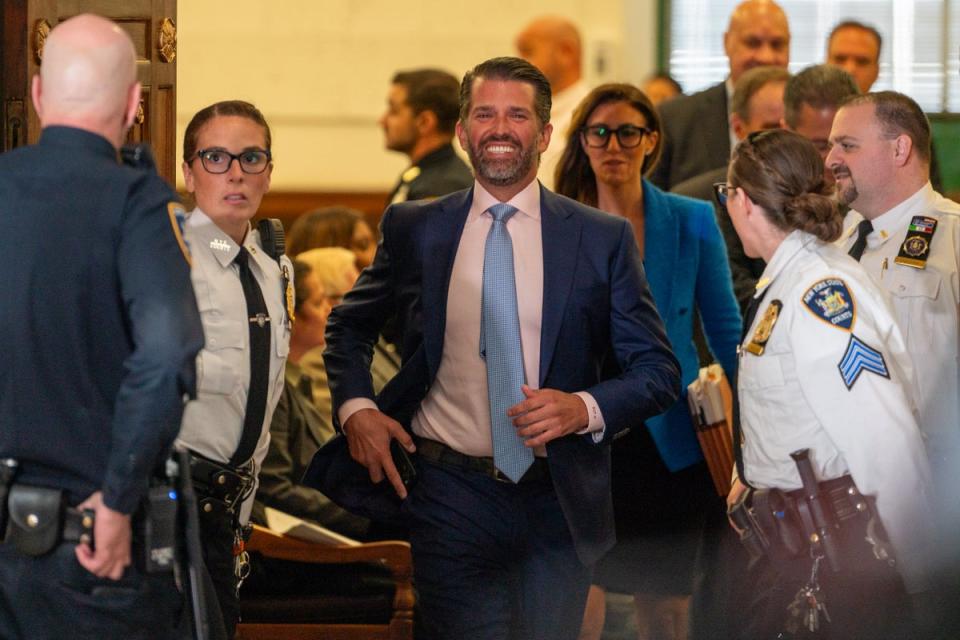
860, 357
831, 301
178, 217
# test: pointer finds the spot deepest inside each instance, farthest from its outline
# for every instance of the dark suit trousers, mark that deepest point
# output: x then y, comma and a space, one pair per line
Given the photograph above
493, 560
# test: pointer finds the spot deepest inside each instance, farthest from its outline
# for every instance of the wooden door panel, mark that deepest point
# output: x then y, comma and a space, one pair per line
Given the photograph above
143, 20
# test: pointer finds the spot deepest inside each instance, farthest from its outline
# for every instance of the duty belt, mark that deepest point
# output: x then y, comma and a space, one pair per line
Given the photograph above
220, 487
36, 519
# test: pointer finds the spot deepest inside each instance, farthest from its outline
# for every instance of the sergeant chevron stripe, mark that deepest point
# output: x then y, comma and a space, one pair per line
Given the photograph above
858, 358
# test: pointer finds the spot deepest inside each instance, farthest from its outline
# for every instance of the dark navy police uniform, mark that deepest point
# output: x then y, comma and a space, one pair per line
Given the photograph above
99, 331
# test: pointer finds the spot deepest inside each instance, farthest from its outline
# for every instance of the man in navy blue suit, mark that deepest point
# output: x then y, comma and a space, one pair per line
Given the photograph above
502, 282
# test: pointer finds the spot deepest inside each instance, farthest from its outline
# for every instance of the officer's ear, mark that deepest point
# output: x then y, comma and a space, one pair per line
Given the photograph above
187, 177
133, 104
902, 149
426, 121
36, 94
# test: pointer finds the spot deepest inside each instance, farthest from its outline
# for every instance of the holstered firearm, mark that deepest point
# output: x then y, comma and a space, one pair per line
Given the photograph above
815, 514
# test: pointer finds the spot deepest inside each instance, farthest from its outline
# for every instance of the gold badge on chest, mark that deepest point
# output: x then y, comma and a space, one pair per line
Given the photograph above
764, 328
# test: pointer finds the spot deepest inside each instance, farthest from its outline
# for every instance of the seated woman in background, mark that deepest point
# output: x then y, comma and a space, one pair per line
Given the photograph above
333, 227
661, 487
346, 232
298, 429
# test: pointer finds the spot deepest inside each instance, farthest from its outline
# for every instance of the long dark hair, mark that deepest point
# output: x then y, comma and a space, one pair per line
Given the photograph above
574, 176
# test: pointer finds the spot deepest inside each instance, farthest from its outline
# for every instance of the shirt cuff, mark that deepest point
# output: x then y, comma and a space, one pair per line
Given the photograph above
353, 405
596, 427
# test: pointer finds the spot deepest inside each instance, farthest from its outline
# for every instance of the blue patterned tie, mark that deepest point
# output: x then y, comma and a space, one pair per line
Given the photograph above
500, 345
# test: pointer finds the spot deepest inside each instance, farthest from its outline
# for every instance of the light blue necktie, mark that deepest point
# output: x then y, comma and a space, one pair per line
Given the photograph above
500, 345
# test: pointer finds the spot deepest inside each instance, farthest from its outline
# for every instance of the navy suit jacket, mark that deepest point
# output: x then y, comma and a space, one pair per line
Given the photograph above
596, 307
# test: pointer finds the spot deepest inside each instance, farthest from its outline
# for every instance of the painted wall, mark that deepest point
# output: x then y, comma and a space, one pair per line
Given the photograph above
320, 69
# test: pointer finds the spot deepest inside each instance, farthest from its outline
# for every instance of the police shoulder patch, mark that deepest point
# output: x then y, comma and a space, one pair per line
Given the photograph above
831, 301
178, 217
860, 357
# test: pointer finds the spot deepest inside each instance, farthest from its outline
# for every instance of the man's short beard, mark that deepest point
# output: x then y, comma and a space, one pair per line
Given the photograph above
847, 195
498, 172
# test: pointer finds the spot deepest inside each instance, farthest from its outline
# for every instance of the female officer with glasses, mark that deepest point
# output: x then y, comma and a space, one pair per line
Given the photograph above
661, 485
823, 369
244, 292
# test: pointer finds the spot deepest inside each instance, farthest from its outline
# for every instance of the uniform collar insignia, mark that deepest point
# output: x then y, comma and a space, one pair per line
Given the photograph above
219, 244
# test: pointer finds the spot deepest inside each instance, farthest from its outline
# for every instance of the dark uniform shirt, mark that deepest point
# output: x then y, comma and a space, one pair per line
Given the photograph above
99, 327
438, 173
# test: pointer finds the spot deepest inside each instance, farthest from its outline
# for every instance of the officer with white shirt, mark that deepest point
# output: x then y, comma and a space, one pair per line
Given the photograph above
823, 369
243, 286
907, 237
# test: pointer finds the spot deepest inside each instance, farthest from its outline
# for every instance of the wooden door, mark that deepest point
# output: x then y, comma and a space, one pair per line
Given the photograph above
152, 27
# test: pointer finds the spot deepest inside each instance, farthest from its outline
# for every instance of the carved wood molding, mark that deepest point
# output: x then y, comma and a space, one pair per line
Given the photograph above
167, 40
41, 31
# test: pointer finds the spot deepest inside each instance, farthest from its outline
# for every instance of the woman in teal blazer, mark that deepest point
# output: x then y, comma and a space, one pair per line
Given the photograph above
662, 489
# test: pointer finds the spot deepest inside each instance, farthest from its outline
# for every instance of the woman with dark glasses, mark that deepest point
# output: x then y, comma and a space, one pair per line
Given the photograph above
840, 479
661, 486
245, 296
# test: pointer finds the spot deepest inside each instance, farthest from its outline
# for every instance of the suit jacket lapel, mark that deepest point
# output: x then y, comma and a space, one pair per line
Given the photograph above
441, 239
560, 231
661, 237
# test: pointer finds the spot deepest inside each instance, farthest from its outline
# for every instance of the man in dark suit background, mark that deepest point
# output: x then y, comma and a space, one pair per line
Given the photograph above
422, 108
757, 105
697, 132
503, 540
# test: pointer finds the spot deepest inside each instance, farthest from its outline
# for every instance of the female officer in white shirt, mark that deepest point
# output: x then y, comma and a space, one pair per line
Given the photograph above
824, 367
244, 292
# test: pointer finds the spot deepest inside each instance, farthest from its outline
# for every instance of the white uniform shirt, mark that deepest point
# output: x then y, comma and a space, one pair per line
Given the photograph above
213, 423
795, 394
925, 302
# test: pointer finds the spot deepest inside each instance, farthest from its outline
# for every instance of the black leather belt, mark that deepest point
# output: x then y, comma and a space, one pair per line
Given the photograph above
441, 454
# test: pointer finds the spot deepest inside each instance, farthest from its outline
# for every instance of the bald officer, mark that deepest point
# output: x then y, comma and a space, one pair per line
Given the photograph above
99, 331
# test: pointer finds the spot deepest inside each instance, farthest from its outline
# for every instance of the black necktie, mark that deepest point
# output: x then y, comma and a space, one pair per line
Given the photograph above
748, 318
259, 322
863, 230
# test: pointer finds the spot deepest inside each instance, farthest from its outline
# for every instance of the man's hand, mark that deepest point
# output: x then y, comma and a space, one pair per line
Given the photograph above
547, 414
369, 433
111, 537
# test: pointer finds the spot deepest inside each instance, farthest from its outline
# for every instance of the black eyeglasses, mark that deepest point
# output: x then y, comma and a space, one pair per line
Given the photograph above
628, 135
251, 161
721, 191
